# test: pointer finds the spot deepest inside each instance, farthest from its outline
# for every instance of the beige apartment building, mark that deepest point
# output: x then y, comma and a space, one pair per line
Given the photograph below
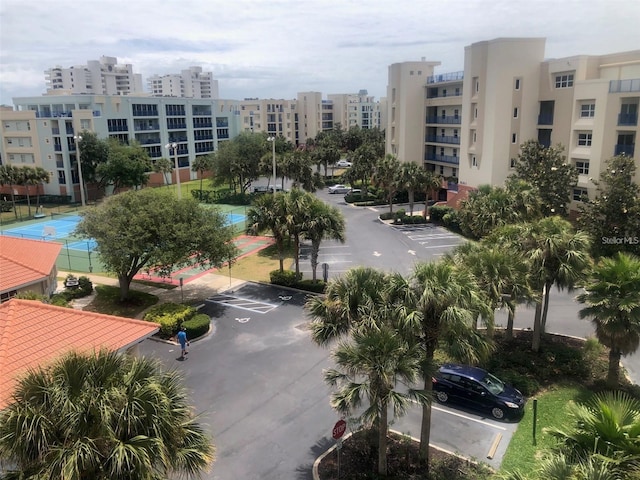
469, 125
355, 109
189, 83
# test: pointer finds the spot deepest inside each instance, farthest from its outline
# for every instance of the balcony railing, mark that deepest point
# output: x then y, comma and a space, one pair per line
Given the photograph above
624, 150
176, 126
445, 95
443, 158
627, 119
631, 85
446, 77
545, 119
120, 128
55, 131
57, 148
443, 139
445, 120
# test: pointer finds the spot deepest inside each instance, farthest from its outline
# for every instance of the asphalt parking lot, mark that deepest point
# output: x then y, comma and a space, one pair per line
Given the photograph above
257, 383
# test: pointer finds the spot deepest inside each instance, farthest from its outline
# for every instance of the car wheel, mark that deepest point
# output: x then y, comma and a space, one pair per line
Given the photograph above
497, 413
442, 397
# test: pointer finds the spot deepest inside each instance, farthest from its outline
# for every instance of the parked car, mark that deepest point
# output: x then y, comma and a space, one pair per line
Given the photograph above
339, 189
265, 189
478, 389
343, 164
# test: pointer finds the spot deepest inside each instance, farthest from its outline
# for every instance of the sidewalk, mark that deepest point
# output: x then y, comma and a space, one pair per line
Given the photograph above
194, 291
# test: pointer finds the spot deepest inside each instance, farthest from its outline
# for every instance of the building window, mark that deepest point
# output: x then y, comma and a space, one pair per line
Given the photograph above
587, 110
454, 172
515, 112
476, 84
580, 194
512, 163
475, 136
517, 85
514, 138
441, 170
475, 112
564, 80
474, 161
582, 167
584, 139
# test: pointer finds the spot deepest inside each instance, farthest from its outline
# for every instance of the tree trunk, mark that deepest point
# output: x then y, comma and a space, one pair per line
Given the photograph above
125, 283
314, 260
537, 327
296, 252
425, 427
13, 201
512, 313
28, 200
543, 323
614, 368
382, 440
411, 202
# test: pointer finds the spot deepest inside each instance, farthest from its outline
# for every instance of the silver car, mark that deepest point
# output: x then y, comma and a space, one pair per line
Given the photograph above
339, 189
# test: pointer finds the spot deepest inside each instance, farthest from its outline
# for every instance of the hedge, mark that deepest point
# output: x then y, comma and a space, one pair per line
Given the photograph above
169, 316
197, 326
286, 278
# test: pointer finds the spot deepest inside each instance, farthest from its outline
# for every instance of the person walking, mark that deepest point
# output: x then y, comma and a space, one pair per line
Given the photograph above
182, 339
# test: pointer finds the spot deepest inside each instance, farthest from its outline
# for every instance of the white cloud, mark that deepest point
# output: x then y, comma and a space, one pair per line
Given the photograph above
276, 48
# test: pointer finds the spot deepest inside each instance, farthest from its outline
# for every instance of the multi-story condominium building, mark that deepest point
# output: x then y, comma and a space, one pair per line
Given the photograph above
97, 77
355, 110
314, 115
469, 125
41, 131
190, 83
277, 117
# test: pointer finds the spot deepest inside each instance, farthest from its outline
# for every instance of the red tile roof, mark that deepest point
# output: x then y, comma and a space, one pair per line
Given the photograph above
32, 333
24, 262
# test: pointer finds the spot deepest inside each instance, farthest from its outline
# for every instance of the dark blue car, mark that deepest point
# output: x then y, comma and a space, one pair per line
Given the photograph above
478, 389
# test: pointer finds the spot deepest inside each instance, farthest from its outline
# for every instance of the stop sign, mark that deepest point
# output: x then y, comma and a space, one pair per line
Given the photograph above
339, 429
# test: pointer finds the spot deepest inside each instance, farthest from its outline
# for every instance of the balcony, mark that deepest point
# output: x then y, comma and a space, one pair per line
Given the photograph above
57, 148
624, 150
628, 119
630, 85
176, 126
445, 120
55, 131
446, 77
199, 123
442, 158
443, 139
545, 119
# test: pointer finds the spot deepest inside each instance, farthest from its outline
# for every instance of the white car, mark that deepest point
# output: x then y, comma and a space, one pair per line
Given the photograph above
343, 164
339, 189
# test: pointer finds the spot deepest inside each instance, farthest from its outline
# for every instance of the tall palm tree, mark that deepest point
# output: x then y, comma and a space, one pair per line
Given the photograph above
42, 176
386, 175
269, 213
297, 204
612, 296
410, 179
164, 166
324, 222
430, 183
369, 366
102, 416
202, 164
606, 428
438, 304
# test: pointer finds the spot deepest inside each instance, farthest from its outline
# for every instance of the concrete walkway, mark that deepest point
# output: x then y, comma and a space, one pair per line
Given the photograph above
192, 292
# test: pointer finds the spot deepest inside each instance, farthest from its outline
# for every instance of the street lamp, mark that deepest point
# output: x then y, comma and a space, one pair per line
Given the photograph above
174, 146
78, 139
273, 160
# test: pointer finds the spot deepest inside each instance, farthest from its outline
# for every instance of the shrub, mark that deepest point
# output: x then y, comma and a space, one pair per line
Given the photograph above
169, 316
316, 286
414, 219
197, 326
387, 215
286, 278
84, 289
438, 212
399, 216
59, 300
451, 220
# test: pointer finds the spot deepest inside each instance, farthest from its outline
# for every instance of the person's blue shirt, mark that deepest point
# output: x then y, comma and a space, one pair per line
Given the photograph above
182, 337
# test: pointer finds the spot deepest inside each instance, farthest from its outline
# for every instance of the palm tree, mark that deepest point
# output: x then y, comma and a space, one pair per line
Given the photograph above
42, 176
612, 296
369, 366
202, 164
10, 175
386, 175
605, 428
429, 183
102, 416
269, 213
324, 222
296, 217
28, 177
410, 179
164, 166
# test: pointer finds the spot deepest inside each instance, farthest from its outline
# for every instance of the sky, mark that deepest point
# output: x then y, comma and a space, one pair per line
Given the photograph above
276, 48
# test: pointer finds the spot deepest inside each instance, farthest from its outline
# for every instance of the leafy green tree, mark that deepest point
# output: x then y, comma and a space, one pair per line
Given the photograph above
237, 161
94, 151
268, 212
297, 209
546, 169
150, 228
605, 428
102, 416
203, 164
430, 184
410, 179
164, 166
363, 160
369, 366
612, 298
127, 166
324, 222
612, 218
387, 175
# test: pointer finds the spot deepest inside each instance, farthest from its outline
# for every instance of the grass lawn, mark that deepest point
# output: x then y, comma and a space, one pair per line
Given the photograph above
108, 301
521, 453
256, 267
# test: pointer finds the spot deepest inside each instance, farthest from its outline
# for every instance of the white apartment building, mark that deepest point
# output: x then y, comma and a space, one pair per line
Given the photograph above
97, 77
355, 110
276, 117
469, 125
41, 130
190, 83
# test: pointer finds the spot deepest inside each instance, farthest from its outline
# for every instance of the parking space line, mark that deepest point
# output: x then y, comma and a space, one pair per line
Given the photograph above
443, 246
243, 303
466, 417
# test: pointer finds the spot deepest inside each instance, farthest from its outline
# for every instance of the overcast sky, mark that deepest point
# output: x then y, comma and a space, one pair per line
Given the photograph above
276, 48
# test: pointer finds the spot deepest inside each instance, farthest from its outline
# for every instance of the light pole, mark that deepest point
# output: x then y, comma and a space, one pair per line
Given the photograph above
78, 139
273, 160
174, 146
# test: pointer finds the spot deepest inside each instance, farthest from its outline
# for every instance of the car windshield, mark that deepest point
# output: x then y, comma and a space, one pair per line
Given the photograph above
493, 384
